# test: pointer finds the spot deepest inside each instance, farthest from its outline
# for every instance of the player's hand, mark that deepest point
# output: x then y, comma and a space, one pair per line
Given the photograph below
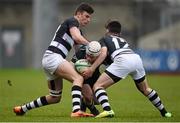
87, 72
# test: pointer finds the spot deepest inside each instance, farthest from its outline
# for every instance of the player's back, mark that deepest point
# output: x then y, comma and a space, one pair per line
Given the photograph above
115, 45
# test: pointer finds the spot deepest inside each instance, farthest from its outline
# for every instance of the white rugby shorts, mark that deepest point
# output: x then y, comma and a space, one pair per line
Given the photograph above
125, 64
50, 63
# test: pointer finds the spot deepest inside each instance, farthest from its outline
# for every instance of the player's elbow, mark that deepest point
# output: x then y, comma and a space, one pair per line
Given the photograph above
75, 38
103, 53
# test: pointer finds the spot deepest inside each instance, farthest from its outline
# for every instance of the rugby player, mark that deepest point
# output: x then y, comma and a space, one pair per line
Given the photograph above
125, 62
57, 68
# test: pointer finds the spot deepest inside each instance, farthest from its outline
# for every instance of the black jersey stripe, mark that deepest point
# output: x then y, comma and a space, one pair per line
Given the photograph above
56, 50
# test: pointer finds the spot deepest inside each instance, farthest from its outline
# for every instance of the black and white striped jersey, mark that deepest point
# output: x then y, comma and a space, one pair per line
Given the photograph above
62, 41
115, 45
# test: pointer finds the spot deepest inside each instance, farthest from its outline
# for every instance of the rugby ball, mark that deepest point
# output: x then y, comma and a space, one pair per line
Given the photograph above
81, 64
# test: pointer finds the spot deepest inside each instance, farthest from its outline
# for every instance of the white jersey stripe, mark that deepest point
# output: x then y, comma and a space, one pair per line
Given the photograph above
67, 38
120, 50
59, 46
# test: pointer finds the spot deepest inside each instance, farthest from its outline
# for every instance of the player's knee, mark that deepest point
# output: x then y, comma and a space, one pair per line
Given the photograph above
55, 95
97, 86
55, 99
145, 91
79, 79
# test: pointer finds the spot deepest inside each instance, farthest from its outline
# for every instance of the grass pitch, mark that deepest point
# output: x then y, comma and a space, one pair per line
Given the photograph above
21, 86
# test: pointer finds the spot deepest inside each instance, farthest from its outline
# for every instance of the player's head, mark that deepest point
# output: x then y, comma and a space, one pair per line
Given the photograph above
84, 7
83, 13
113, 27
92, 51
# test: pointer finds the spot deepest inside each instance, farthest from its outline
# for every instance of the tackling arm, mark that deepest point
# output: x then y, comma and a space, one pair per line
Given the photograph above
89, 71
76, 35
100, 59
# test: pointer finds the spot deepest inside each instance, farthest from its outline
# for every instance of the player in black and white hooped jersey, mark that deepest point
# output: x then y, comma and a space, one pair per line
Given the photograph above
125, 62
58, 68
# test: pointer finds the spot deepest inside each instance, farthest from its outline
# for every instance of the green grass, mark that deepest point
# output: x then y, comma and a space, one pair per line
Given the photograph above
126, 101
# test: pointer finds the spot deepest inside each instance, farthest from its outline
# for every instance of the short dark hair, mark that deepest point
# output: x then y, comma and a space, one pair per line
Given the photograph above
84, 7
113, 26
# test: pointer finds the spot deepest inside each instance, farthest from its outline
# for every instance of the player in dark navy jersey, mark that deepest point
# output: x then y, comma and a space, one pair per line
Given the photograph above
85, 52
125, 62
58, 68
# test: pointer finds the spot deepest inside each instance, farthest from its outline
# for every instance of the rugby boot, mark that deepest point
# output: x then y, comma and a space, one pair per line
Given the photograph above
167, 115
104, 114
81, 114
18, 111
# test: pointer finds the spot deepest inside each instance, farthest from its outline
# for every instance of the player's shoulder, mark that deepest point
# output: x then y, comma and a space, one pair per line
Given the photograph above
71, 20
102, 38
108, 37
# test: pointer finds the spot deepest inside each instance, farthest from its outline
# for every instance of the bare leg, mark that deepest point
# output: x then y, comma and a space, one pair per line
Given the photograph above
67, 71
103, 82
55, 89
88, 99
152, 95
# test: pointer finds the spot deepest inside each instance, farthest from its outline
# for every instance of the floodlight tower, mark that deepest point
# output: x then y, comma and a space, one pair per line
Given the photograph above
45, 22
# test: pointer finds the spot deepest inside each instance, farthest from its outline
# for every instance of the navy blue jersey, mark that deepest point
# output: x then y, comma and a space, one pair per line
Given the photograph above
62, 41
81, 54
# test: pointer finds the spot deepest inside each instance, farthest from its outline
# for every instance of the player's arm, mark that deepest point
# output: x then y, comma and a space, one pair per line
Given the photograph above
89, 72
100, 59
102, 55
76, 35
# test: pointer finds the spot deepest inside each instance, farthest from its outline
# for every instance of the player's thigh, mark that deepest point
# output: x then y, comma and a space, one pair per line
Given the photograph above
67, 71
104, 81
119, 69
